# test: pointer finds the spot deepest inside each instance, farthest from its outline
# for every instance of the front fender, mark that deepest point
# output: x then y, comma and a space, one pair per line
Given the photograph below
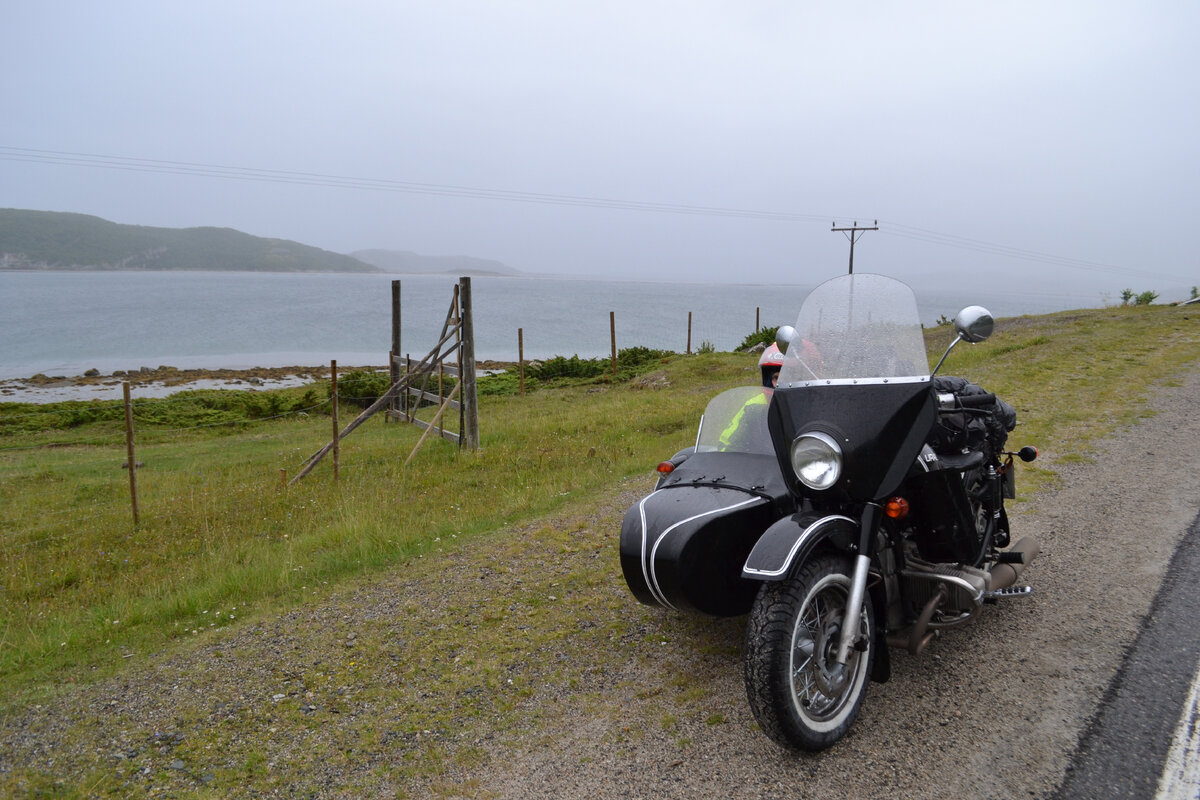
790, 540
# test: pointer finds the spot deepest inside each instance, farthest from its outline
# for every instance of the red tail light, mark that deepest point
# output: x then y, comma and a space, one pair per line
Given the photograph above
665, 467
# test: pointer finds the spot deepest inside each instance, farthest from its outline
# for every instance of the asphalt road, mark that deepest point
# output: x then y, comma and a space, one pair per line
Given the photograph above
1150, 705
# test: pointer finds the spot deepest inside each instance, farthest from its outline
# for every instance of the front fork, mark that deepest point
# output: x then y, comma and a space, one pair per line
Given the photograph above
869, 526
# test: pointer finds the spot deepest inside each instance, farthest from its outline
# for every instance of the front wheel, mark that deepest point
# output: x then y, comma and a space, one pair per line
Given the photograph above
800, 695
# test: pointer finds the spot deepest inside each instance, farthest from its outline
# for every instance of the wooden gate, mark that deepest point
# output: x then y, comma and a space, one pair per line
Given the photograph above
423, 376
410, 386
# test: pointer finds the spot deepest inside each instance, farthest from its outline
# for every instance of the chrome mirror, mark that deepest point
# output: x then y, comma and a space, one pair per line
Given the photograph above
784, 337
974, 324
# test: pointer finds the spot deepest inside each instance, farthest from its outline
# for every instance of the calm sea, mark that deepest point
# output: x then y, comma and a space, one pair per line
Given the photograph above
64, 323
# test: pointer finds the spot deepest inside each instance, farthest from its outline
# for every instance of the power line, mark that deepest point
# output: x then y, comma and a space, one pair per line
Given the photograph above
374, 184
197, 169
950, 240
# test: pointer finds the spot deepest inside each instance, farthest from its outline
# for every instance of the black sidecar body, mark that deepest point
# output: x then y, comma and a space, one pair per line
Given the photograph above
683, 545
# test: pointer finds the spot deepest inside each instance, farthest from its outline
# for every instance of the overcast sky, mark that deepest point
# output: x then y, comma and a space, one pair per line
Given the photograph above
1051, 143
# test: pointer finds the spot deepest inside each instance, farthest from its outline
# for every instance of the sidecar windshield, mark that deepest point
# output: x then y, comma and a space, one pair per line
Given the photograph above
736, 421
855, 328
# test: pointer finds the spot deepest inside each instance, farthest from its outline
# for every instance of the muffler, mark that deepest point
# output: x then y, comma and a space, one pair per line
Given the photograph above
1013, 563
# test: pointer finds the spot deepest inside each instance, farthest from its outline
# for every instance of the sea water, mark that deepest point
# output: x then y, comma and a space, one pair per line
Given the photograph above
65, 323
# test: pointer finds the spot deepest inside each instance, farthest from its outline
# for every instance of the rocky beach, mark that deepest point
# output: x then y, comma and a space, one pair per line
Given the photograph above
162, 381
155, 382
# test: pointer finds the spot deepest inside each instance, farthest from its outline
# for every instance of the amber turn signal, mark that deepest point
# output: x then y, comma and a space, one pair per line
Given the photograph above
896, 508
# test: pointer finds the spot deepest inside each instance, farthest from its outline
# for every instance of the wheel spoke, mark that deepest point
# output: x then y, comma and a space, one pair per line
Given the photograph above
815, 611
805, 691
802, 658
822, 696
815, 634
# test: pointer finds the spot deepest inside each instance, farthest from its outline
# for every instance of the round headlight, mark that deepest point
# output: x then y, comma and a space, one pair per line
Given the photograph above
816, 460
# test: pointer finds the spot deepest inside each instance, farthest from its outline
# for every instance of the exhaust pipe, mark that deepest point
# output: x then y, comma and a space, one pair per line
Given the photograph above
1006, 573
1003, 575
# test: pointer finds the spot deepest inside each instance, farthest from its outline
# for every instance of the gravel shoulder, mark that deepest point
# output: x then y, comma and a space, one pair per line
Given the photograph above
516, 665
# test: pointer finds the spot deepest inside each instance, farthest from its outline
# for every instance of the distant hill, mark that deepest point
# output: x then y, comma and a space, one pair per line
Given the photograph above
49, 240
410, 263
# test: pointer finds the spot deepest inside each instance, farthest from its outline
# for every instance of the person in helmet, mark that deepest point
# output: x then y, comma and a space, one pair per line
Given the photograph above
770, 362
754, 412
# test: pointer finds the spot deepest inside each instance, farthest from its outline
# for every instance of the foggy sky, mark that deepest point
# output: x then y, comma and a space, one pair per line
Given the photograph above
979, 135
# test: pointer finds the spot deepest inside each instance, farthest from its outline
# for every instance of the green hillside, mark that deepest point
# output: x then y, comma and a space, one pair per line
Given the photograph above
48, 240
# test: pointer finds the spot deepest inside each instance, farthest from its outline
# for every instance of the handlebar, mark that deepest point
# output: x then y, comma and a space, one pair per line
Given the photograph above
981, 403
985, 400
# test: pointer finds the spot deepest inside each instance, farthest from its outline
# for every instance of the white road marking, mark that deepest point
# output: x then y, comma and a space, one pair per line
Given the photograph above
1181, 773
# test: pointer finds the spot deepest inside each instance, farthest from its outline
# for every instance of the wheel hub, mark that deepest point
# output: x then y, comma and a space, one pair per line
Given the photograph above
831, 677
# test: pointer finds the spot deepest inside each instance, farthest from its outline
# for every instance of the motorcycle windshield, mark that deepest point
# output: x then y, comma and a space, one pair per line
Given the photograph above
736, 421
856, 328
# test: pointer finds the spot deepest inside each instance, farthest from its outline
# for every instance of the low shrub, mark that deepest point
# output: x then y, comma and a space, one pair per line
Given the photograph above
765, 336
187, 409
573, 367
361, 387
631, 362
502, 384
635, 358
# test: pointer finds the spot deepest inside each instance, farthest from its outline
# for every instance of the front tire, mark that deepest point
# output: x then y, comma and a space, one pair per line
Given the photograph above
799, 694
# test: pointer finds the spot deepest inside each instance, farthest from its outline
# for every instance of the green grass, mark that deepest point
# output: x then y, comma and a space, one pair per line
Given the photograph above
1076, 375
221, 539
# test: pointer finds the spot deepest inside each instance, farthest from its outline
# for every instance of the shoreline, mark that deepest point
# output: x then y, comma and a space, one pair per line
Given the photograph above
160, 382
165, 381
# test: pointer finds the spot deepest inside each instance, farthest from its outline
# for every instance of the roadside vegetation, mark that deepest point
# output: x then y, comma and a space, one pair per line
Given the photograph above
223, 541
220, 533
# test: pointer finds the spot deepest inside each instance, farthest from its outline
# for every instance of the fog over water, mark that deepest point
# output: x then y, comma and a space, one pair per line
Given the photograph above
64, 323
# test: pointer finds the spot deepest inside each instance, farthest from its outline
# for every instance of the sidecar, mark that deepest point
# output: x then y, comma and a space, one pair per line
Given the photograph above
684, 544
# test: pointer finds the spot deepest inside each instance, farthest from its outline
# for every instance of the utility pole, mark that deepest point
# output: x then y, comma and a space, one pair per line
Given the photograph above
855, 234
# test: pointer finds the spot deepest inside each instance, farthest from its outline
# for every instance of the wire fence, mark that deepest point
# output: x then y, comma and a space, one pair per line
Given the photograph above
105, 448
147, 430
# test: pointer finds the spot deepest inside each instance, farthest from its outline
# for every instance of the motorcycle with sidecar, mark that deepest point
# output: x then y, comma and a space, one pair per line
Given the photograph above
857, 506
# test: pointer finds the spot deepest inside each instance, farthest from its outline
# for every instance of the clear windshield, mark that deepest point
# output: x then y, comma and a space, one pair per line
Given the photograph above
856, 327
736, 420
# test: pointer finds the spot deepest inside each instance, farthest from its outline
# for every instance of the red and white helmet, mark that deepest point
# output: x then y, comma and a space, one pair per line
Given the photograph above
769, 362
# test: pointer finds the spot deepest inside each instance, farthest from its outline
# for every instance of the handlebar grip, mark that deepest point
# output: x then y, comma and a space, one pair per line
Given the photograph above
985, 400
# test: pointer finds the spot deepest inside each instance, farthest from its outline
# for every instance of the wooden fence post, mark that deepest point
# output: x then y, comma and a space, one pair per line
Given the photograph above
133, 493
689, 347
612, 329
333, 398
393, 367
405, 406
521, 358
392, 378
757, 309
468, 396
